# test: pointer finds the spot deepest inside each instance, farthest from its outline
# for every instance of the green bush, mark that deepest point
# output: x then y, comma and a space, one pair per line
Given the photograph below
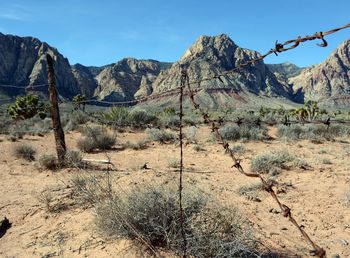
324, 132
95, 138
118, 116
140, 118
268, 162
191, 134
139, 145
27, 107
244, 132
25, 151
48, 161
151, 214
74, 159
161, 136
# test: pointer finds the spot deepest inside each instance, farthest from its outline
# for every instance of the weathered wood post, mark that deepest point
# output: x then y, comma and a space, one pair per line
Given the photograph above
55, 112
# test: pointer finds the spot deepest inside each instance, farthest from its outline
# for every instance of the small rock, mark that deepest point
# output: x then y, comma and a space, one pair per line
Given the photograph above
274, 211
284, 228
335, 256
343, 242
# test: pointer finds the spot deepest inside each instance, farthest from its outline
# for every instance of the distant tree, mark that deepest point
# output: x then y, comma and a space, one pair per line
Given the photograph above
27, 107
79, 102
264, 111
312, 109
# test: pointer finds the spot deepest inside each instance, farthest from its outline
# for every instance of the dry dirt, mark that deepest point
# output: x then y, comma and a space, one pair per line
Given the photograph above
317, 196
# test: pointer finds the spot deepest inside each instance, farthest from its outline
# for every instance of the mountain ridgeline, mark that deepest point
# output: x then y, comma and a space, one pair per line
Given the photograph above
22, 62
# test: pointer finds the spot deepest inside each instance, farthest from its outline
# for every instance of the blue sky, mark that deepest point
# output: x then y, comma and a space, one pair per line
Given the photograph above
105, 31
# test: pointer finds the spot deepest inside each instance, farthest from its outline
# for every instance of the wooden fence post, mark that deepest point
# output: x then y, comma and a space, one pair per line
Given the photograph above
55, 112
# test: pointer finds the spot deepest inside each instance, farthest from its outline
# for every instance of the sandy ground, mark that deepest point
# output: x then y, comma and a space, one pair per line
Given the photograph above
317, 196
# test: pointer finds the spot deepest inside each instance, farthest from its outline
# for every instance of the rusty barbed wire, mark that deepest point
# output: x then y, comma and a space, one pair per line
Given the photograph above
279, 48
286, 211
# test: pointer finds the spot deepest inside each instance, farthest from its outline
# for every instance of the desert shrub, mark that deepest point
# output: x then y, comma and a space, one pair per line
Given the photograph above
86, 144
105, 141
245, 132
140, 118
151, 214
89, 190
251, 192
95, 138
270, 161
161, 136
324, 160
313, 131
238, 149
191, 134
139, 145
74, 159
25, 151
119, 116
17, 129
292, 132
192, 119
300, 163
173, 162
74, 119
170, 121
248, 189
198, 147
48, 161
5, 122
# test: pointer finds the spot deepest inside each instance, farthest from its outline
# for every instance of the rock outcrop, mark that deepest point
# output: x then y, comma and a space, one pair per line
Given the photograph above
127, 79
22, 62
210, 56
329, 79
286, 69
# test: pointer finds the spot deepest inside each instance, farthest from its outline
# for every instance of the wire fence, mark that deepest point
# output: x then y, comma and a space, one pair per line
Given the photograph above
186, 89
215, 125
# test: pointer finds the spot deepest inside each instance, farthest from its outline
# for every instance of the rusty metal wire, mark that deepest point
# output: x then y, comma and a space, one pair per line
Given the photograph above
279, 48
286, 211
288, 45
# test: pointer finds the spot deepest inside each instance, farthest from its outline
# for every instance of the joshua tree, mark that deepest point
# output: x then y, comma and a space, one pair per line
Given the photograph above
79, 101
312, 109
264, 111
299, 113
27, 107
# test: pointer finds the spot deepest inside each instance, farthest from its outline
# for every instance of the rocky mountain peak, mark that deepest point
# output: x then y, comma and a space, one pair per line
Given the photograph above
328, 79
221, 44
212, 55
22, 62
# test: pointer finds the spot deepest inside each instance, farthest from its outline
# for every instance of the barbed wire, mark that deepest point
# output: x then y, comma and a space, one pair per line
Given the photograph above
286, 211
27, 87
279, 48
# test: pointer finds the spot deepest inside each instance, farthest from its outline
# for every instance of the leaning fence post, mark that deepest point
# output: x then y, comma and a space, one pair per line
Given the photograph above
55, 112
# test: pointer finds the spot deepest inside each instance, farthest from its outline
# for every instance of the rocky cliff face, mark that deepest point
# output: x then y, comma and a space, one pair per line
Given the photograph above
127, 79
212, 55
285, 69
85, 79
22, 62
328, 79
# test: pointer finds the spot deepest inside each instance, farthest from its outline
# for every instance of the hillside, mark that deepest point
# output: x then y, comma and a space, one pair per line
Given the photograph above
22, 63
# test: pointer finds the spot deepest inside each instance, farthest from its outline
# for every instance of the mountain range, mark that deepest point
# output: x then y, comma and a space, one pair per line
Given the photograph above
22, 62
